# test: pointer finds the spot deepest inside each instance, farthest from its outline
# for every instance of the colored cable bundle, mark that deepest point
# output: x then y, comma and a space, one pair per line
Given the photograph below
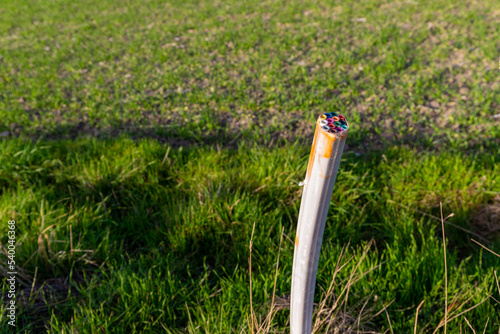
333, 122
329, 139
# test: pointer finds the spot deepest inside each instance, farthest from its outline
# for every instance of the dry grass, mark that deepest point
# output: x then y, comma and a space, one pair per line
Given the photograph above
334, 314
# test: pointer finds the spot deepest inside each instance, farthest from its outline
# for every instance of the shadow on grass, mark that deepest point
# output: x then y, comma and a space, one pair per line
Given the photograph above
379, 133
135, 213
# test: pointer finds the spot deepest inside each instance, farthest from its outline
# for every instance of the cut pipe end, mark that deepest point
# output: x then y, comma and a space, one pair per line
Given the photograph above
333, 123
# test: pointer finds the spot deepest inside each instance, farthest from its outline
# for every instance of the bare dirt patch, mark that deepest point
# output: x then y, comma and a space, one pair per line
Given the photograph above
486, 220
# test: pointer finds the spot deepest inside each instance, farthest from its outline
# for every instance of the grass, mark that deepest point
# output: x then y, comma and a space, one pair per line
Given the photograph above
141, 142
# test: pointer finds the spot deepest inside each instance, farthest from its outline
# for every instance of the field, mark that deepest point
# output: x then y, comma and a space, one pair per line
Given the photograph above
142, 142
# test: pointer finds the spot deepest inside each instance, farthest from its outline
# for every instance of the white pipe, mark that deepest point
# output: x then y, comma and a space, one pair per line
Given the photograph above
322, 169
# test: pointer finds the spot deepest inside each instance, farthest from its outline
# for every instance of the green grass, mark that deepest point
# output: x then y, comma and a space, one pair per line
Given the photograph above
142, 141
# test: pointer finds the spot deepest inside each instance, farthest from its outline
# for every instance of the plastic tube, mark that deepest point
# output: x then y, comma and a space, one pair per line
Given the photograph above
320, 178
